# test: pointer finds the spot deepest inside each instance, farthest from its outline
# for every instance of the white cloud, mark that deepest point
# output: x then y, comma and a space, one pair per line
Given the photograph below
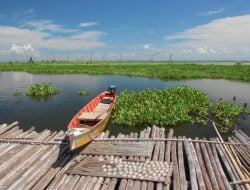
201, 50
227, 36
44, 39
20, 49
147, 46
205, 50
87, 24
212, 12
47, 25
17, 52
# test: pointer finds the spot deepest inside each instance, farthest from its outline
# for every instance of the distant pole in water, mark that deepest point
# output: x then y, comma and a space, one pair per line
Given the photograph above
91, 55
170, 57
103, 57
153, 55
120, 56
31, 60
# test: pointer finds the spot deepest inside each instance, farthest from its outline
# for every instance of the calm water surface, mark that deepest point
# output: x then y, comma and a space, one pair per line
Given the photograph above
55, 112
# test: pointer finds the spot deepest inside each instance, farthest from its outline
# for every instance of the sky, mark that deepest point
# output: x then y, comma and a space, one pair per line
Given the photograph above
124, 30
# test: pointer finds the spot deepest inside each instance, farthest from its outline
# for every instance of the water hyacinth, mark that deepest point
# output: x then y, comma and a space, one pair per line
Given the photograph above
173, 107
226, 114
160, 107
16, 93
83, 93
42, 90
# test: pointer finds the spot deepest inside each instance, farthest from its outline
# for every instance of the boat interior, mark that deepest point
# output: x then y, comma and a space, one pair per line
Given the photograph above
90, 118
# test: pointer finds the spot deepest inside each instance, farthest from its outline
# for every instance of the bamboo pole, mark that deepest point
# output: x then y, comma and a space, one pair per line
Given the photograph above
232, 159
240, 181
171, 139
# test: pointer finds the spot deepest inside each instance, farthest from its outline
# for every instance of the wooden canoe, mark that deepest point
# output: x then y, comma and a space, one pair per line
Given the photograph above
91, 120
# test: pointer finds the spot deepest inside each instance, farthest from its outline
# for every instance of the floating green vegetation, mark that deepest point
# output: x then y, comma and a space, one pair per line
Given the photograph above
42, 90
16, 93
151, 70
227, 114
83, 93
172, 107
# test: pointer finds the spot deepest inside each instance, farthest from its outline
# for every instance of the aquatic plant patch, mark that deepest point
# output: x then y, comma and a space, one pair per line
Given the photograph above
172, 107
83, 93
42, 90
227, 114
160, 107
163, 71
16, 93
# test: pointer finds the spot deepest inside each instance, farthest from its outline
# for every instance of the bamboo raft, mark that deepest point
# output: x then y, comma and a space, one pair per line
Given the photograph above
32, 160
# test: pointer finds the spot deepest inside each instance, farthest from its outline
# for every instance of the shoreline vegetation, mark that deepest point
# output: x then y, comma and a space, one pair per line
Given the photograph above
164, 71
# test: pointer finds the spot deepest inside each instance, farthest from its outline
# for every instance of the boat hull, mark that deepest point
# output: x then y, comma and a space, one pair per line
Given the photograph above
77, 141
98, 111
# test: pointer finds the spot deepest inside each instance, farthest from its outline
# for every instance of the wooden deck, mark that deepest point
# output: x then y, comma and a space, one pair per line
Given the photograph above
32, 160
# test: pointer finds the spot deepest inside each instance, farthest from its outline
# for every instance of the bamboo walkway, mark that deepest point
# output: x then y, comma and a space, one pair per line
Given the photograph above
32, 160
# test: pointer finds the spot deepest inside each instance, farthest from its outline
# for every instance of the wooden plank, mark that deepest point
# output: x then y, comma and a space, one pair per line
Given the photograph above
200, 180
203, 167
143, 149
112, 184
59, 175
168, 147
105, 184
191, 166
168, 151
220, 169
51, 173
209, 167
159, 186
215, 168
91, 183
7, 128
123, 184
98, 183
72, 182
154, 134
82, 183
3, 125
182, 173
226, 164
137, 185
32, 172
15, 168
110, 167
129, 184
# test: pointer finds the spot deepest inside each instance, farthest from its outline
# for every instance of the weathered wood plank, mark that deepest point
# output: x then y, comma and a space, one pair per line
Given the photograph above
140, 149
203, 167
220, 169
209, 167
191, 166
182, 173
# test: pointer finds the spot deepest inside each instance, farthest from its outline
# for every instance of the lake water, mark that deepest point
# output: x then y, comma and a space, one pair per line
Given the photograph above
55, 112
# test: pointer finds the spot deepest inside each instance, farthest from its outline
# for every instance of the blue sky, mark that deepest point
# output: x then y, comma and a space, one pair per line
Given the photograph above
113, 29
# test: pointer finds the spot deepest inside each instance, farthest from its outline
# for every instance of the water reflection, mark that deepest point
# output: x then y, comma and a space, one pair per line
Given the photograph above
56, 112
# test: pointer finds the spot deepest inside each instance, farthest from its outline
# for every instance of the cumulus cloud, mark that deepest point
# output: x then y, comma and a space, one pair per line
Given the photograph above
226, 36
21, 49
41, 37
87, 24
